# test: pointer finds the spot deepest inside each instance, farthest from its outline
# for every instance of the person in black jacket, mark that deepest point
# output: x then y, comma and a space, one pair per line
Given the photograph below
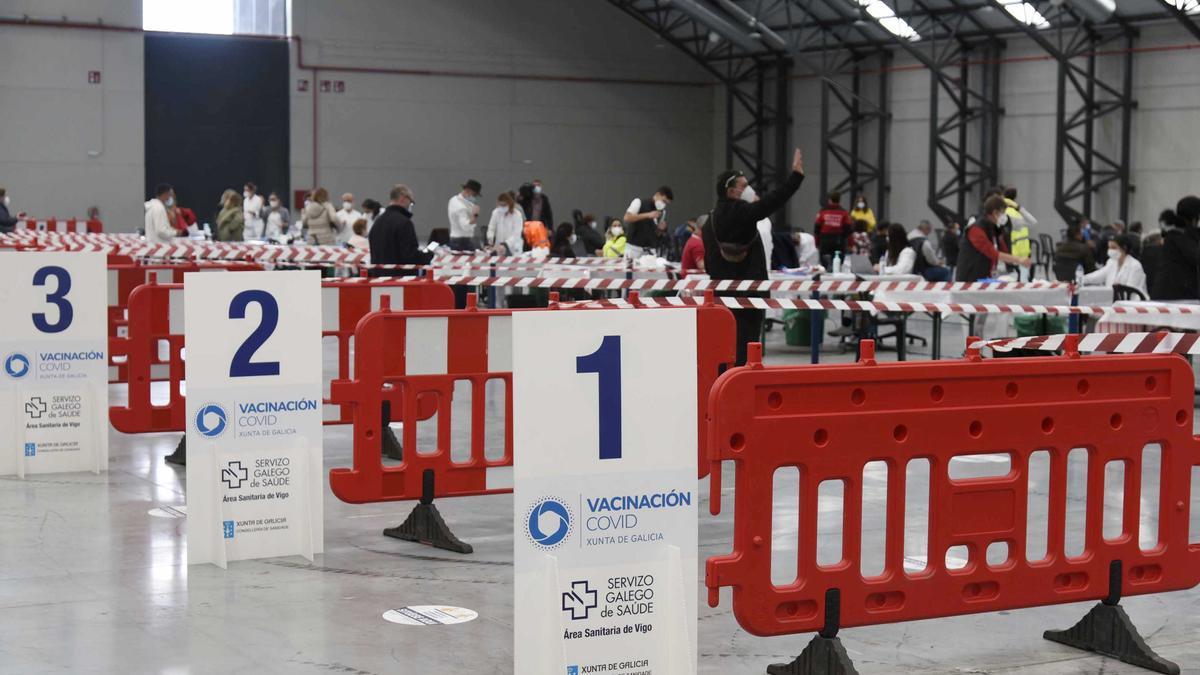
535, 204
393, 237
732, 249
7, 222
1176, 276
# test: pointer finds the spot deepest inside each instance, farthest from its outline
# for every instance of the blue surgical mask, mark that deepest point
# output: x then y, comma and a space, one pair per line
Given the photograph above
170, 201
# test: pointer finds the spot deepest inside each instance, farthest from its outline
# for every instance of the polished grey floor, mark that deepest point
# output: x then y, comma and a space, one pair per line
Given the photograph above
91, 582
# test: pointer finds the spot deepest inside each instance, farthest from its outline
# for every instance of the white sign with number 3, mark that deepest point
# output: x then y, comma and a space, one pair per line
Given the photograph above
54, 346
254, 475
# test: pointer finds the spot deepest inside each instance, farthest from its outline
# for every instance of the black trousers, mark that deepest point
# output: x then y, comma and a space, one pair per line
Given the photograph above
749, 329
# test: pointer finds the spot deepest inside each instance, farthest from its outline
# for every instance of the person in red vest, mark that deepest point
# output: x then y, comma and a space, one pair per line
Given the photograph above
832, 228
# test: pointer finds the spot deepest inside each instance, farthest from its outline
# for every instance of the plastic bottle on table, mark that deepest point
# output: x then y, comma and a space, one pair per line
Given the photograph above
1079, 275
837, 262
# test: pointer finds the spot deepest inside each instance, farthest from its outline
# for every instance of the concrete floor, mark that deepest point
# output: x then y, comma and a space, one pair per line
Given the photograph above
90, 582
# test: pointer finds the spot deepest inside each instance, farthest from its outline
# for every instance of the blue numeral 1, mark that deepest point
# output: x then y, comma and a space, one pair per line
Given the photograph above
606, 362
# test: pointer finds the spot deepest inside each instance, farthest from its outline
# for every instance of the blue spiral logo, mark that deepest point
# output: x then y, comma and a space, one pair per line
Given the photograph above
548, 523
16, 365
210, 420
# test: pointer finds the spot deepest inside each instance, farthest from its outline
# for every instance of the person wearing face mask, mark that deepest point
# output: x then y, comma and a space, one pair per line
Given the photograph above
1121, 269
252, 206
534, 203
158, 227
982, 246
347, 216
371, 209
614, 244
563, 245
505, 226
644, 218
591, 239
393, 238
463, 211
276, 218
862, 211
730, 249
7, 222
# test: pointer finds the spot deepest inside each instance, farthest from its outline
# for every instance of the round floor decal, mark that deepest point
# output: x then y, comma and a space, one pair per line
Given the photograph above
430, 615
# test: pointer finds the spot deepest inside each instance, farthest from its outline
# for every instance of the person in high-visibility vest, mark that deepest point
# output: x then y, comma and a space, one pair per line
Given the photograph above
1020, 221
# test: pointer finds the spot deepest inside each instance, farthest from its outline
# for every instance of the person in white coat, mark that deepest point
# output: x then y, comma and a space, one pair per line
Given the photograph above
507, 224
252, 206
347, 216
1122, 269
900, 257
158, 228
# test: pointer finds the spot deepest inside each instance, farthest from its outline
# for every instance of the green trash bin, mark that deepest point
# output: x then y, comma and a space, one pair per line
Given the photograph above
1027, 325
797, 327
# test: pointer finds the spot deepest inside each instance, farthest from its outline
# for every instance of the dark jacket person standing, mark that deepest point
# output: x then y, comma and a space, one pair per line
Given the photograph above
733, 226
393, 237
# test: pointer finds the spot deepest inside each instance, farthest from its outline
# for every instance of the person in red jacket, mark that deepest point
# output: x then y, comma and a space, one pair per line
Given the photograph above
832, 228
693, 251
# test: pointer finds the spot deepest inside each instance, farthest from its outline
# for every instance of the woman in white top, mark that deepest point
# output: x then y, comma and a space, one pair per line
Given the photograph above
252, 206
1121, 269
900, 257
507, 224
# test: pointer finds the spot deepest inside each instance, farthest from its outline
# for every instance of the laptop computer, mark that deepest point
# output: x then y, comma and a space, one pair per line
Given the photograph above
861, 264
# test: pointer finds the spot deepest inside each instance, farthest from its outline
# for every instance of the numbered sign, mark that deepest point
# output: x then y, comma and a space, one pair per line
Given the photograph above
604, 415
254, 476
54, 346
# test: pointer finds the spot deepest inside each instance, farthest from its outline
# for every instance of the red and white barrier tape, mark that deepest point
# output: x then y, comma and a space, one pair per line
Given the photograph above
1110, 343
749, 286
904, 307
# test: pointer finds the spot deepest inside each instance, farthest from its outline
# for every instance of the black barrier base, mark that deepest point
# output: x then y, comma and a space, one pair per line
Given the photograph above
391, 444
822, 656
180, 455
1107, 630
425, 526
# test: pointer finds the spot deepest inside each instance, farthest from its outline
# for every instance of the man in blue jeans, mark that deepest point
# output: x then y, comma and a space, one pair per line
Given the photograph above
927, 264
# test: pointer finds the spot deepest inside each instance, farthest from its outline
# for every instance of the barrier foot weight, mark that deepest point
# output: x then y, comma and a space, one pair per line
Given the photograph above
822, 656
1107, 630
180, 455
391, 445
425, 524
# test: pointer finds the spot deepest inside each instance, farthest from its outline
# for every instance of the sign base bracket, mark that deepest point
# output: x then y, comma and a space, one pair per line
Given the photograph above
425, 524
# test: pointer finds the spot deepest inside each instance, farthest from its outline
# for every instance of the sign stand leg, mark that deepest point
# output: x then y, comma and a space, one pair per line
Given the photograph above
425, 524
180, 455
825, 654
391, 445
1107, 630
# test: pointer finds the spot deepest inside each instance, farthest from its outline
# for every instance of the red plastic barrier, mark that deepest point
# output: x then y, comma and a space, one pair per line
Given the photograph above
124, 277
830, 421
154, 342
406, 358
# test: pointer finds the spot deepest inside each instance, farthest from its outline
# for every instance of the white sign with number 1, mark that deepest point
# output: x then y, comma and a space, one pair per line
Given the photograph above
604, 503
54, 346
254, 475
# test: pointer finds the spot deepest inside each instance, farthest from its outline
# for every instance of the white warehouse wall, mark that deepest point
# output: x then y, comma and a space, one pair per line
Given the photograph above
594, 144
65, 144
1165, 145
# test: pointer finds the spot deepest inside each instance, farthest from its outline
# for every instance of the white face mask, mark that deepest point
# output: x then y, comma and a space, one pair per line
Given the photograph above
537, 189
246, 194
574, 238
660, 204
347, 206
618, 231
170, 201
274, 203
1003, 219
748, 194
7, 200
861, 206
1113, 254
